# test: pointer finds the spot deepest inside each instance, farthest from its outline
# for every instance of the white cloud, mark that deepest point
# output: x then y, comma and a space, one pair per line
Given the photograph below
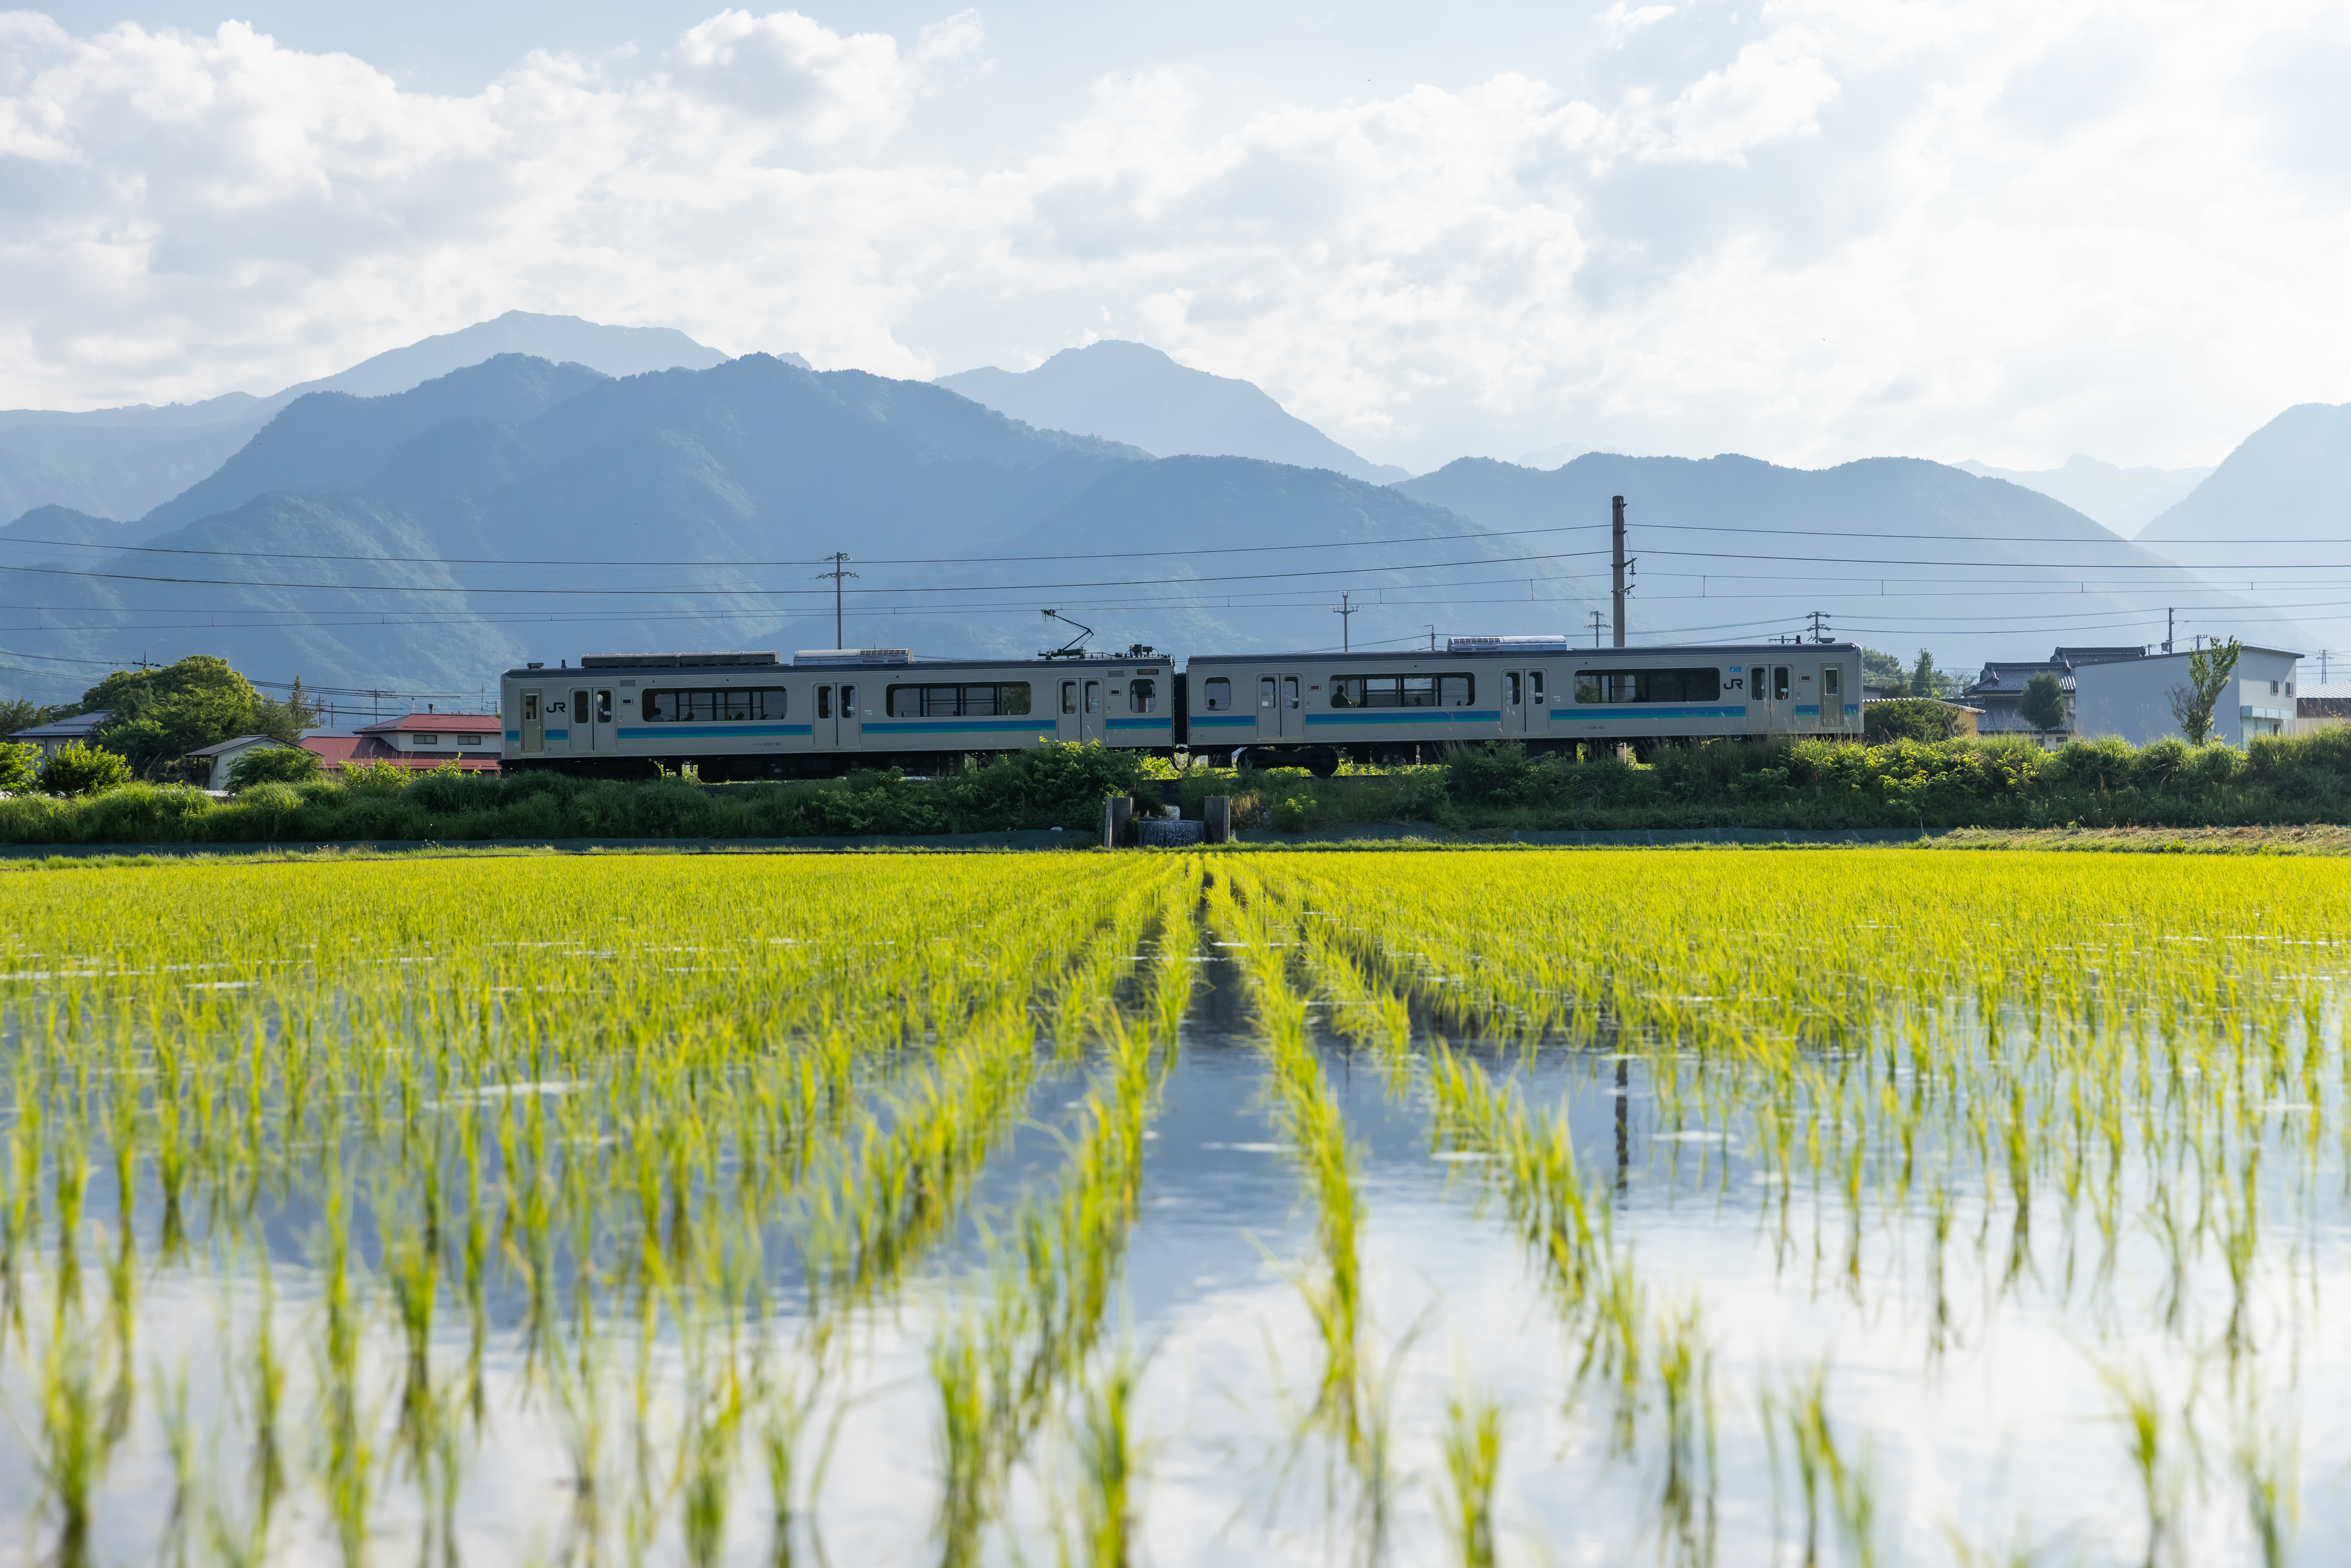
1839, 226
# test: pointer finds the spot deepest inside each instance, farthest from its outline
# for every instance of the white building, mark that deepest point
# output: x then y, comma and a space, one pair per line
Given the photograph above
2132, 698
217, 761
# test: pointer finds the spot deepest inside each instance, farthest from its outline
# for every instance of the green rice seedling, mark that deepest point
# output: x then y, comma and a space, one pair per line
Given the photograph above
1472, 1443
1110, 1463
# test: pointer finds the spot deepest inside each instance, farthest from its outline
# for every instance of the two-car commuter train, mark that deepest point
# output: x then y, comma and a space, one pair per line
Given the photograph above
749, 716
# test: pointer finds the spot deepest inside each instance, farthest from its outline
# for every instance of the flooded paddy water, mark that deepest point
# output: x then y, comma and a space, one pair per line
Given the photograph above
1792, 1207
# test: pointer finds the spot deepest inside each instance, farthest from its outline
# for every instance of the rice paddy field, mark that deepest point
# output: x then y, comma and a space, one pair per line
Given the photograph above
1805, 1206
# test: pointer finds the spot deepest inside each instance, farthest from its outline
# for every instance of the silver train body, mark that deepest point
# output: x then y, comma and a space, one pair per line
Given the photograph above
749, 716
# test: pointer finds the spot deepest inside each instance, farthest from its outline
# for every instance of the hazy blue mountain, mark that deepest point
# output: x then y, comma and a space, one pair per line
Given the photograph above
1131, 394
1731, 547
326, 441
113, 472
2277, 510
125, 462
720, 484
2124, 500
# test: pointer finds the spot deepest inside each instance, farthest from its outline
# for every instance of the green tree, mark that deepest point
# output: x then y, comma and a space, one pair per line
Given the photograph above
160, 716
1883, 670
272, 764
18, 765
78, 769
286, 720
2208, 673
2043, 703
1925, 681
21, 713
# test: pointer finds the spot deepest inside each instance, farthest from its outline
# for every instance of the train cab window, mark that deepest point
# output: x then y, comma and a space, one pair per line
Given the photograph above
1093, 696
1289, 691
1265, 693
1219, 693
1142, 696
1510, 688
1535, 687
1779, 682
1068, 696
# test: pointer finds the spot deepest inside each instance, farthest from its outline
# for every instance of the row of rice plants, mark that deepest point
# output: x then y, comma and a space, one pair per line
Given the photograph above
609, 1115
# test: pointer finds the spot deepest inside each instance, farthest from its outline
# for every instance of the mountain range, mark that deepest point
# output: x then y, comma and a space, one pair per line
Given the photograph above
421, 537
123, 462
1131, 394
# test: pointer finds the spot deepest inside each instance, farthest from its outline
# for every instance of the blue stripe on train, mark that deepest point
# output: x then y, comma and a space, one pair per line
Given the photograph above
1631, 711
1409, 716
702, 731
1223, 721
959, 727
1141, 724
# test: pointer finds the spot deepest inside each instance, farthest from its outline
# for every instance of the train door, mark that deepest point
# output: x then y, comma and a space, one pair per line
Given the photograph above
1280, 711
588, 725
1523, 702
836, 727
1771, 697
534, 724
1831, 685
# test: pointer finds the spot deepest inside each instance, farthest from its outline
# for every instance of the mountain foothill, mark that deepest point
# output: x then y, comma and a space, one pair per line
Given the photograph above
425, 524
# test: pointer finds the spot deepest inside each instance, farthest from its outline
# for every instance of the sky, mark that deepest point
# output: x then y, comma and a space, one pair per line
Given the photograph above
1806, 231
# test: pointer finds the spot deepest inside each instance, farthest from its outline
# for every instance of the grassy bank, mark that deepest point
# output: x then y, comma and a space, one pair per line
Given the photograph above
1808, 785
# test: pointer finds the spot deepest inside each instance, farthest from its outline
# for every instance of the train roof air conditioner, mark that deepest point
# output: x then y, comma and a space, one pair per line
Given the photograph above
837, 656
1505, 644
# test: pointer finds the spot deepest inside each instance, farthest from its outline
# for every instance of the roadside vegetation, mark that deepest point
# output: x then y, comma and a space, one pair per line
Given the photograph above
1803, 784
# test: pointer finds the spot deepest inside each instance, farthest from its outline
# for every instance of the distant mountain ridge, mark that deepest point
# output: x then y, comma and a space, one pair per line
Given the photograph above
124, 461
1136, 394
1732, 547
2123, 500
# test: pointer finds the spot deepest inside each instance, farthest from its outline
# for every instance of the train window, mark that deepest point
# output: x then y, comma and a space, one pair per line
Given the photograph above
825, 701
1289, 691
604, 708
1265, 693
1511, 689
1219, 693
1093, 696
719, 705
1142, 696
1701, 685
1534, 687
1780, 682
1068, 696
1403, 691
958, 702
1829, 682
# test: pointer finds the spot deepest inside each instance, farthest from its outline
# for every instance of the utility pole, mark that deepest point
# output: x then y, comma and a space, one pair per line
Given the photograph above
1617, 536
2167, 616
1345, 612
1595, 628
1432, 640
840, 559
1820, 626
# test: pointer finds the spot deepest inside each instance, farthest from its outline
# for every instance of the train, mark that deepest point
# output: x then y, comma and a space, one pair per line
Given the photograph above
744, 716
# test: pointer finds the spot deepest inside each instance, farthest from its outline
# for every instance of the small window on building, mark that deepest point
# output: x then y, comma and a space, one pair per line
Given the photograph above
1219, 693
2273, 688
425, 739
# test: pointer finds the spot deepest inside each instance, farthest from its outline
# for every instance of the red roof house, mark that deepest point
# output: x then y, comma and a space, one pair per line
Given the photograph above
419, 741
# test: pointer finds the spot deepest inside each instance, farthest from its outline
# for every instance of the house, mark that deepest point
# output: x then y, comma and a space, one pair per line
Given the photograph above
54, 737
421, 741
212, 762
2132, 698
2322, 708
1999, 690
